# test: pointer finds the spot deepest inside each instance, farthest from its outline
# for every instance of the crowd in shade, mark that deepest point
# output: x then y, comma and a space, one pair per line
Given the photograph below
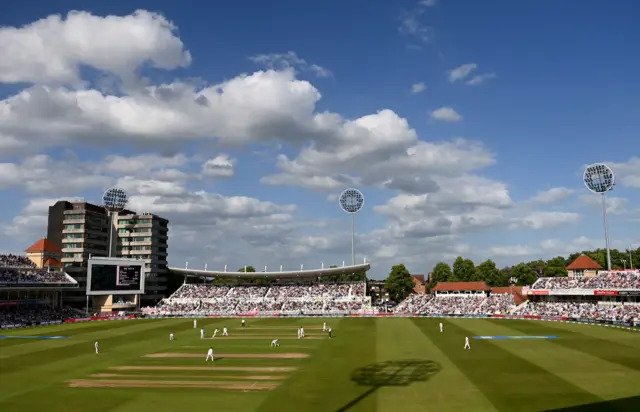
294, 299
12, 315
604, 280
498, 304
584, 310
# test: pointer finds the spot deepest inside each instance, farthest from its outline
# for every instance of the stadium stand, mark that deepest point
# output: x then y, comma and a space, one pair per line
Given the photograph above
308, 298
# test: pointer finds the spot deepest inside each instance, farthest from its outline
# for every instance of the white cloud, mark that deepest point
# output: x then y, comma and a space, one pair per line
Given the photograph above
545, 220
280, 61
553, 195
446, 114
428, 3
461, 72
412, 25
615, 205
418, 88
54, 48
627, 173
479, 79
220, 166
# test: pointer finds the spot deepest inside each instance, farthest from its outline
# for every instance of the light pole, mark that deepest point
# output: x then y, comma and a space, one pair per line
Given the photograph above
599, 178
114, 200
351, 201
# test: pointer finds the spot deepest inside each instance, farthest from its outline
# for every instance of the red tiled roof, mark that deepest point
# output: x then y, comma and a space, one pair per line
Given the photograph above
459, 286
583, 262
419, 278
53, 262
506, 289
43, 245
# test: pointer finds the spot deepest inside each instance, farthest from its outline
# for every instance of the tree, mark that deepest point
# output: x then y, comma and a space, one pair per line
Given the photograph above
247, 269
489, 273
555, 267
399, 283
441, 273
524, 274
463, 270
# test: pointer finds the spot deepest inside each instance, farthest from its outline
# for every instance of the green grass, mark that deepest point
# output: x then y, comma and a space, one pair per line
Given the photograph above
372, 364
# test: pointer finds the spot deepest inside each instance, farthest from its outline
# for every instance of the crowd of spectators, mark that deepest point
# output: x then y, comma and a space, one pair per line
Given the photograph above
457, 304
309, 298
15, 315
16, 261
584, 310
15, 269
604, 280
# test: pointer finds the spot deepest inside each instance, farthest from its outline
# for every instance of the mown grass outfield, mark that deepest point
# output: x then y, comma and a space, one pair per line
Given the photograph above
372, 364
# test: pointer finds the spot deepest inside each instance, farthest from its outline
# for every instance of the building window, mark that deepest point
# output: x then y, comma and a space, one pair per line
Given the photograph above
578, 273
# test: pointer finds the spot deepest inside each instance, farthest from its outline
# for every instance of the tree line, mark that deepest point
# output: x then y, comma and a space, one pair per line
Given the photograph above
400, 284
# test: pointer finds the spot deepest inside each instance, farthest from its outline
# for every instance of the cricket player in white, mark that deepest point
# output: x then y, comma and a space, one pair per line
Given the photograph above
243, 323
215, 332
299, 333
201, 333
225, 332
275, 343
302, 332
209, 355
466, 343
324, 327
440, 326
171, 336
97, 346
195, 323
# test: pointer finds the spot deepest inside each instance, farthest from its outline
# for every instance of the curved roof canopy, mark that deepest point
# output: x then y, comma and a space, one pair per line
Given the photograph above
312, 273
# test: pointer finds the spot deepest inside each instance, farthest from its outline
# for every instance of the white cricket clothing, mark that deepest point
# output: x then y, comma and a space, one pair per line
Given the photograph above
441, 327
171, 336
275, 342
195, 323
224, 332
215, 332
324, 327
466, 343
302, 332
209, 355
97, 345
201, 333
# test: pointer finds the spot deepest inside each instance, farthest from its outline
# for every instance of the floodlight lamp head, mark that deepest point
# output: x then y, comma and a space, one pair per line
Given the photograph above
598, 178
115, 199
351, 201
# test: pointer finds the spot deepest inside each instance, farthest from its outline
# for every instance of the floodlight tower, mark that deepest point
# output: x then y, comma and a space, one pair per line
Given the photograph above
114, 200
598, 178
351, 201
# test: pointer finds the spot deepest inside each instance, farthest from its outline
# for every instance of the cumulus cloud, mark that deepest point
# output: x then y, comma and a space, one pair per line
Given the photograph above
53, 49
446, 114
280, 61
615, 205
220, 166
553, 195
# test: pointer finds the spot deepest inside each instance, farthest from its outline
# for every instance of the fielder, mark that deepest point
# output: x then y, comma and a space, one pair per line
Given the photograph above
225, 332
97, 346
171, 336
243, 323
440, 326
275, 343
202, 333
324, 327
209, 355
195, 323
215, 332
329, 330
299, 333
466, 343
302, 332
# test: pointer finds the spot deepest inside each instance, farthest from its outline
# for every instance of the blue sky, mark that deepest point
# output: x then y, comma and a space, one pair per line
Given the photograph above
555, 88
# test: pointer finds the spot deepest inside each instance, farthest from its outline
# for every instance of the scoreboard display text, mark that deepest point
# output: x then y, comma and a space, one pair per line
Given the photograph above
110, 278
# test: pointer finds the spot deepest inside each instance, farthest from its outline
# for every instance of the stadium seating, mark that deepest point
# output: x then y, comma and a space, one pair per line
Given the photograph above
16, 270
584, 310
245, 299
604, 280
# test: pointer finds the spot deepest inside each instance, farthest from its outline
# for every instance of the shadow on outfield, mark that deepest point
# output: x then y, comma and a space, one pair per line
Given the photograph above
391, 373
617, 405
